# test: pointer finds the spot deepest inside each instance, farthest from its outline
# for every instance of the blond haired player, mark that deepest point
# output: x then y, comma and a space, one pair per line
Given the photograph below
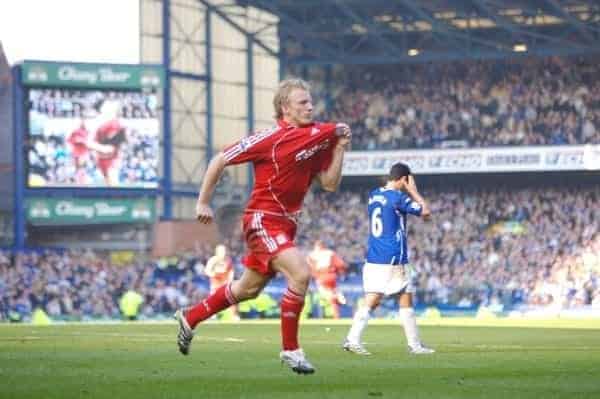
286, 159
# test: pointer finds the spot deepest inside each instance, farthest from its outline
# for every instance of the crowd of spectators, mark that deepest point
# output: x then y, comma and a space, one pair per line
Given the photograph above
533, 247
484, 246
57, 103
524, 101
88, 285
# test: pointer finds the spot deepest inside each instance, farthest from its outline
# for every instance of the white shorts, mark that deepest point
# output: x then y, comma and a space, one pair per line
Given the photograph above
388, 279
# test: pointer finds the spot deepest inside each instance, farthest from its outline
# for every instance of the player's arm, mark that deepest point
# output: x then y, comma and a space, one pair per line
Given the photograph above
411, 189
122, 137
231, 270
331, 177
77, 140
104, 149
204, 212
248, 149
209, 270
340, 266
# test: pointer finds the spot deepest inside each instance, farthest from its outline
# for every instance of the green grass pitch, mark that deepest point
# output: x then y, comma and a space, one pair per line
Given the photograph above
240, 360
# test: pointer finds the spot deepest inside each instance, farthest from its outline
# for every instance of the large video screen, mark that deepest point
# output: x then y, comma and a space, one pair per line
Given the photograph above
92, 138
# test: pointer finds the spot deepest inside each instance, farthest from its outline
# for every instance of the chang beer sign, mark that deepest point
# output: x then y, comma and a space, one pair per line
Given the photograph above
55, 211
107, 76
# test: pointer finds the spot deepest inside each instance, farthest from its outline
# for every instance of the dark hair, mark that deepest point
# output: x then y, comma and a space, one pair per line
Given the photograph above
398, 171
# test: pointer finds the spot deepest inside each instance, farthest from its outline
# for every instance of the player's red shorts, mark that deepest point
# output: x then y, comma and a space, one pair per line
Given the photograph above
328, 281
105, 164
266, 236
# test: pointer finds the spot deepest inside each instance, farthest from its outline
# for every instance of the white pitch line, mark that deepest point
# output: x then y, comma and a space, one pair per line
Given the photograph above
153, 337
26, 338
143, 337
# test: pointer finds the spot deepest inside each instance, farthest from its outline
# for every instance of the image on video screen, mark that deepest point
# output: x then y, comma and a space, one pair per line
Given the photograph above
92, 138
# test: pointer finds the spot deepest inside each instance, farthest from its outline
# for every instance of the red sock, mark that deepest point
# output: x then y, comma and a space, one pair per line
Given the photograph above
291, 307
214, 303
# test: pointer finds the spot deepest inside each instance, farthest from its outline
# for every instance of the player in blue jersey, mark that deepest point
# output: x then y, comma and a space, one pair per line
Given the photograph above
387, 271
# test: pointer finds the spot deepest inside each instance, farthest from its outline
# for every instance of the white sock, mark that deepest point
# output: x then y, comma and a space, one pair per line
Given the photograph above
409, 321
359, 323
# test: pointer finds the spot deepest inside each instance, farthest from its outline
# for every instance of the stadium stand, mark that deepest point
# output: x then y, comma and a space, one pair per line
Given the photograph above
524, 101
526, 246
6, 150
484, 247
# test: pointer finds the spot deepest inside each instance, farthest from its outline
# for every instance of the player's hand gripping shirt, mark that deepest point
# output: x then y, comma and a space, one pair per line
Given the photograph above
286, 159
387, 226
111, 133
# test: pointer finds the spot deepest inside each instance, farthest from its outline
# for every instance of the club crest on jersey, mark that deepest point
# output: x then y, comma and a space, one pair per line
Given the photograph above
306, 154
245, 144
281, 238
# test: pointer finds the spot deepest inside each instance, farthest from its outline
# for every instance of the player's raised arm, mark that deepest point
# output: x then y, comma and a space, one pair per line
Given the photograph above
204, 212
331, 177
411, 189
103, 149
210, 269
340, 265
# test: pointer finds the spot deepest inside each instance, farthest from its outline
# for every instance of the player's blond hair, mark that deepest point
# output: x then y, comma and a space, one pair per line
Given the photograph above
283, 92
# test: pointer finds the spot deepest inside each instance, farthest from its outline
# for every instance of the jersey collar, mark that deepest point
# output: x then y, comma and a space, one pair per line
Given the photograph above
285, 125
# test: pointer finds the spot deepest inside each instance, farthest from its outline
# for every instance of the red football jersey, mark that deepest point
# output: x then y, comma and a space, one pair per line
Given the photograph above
221, 271
325, 265
78, 139
286, 159
106, 132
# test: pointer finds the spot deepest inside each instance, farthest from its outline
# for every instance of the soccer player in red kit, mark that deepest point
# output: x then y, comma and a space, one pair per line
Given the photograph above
78, 140
109, 137
325, 266
219, 268
287, 159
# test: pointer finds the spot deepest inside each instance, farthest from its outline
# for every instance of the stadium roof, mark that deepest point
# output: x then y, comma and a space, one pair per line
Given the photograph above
391, 31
